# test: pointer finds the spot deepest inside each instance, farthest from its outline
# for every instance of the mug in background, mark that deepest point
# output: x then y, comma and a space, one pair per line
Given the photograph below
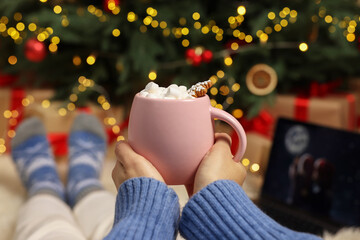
175, 134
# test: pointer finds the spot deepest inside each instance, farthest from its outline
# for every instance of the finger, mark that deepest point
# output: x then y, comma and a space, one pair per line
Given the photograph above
125, 154
118, 174
222, 143
223, 138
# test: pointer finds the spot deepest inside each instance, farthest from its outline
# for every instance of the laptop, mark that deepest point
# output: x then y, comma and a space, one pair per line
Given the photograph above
312, 181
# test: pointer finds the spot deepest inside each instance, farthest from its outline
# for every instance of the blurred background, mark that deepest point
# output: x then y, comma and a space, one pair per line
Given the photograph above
267, 59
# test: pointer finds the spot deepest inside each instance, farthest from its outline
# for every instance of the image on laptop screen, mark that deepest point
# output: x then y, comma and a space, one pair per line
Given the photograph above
316, 169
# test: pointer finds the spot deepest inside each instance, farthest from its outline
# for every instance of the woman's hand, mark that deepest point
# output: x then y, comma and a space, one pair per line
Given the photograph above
129, 164
218, 164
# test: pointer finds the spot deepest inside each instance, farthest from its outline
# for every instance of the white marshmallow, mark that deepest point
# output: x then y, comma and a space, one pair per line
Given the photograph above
152, 90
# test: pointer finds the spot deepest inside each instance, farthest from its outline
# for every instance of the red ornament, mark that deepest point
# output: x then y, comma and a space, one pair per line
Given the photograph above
35, 51
110, 5
207, 56
196, 60
190, 53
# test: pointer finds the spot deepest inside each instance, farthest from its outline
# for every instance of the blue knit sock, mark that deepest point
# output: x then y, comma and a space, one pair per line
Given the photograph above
35, 163
87, 144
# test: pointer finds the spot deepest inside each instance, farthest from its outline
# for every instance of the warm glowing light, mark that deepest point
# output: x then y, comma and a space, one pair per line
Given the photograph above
120, 138
224, 90
271, 15
76, 60
11, 133
219, 106
71, 106
20, 26
293, 13
235, 87
214, 91
277, 27
57, 9
131, 17
12, 60
228, 61
255, 167
163, 24
328, 19
116, 32
185, 43
237, 113
7, 114
248, 38
115, 129
154, 23
2, 149
229, 100
350, 37
220, 74
213, 102
303, 47
90, 59
62, 112
43, 1
245, 162
73, 97
106, 106
264, 37
152, 75
284, 23
205, 29
234, 46
147, 20
53, 47
213, 79
241, 10
197, 25
101, 99
25, 102
45, 103
196, 16
17, 16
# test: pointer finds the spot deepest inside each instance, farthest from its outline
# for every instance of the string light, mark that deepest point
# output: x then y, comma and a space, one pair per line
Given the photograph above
228, 61
245, 162
235, 87
76, 60
12, 60
90, 59
220, 74
152, 75
196, 16
237, 113
255, 167
214, 91
241, 10
131, 17
303, 47
57, 9
116, 32
185, 43
45, 103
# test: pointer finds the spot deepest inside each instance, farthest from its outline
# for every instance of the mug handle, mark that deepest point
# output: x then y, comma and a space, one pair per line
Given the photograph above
234, 123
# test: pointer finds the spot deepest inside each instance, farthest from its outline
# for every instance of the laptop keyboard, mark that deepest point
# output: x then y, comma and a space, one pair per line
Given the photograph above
295, 219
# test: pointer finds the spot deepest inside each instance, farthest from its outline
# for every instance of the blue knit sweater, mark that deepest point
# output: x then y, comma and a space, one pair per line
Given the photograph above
148, 209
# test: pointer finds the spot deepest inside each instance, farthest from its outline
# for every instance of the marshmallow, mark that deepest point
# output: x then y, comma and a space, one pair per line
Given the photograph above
152, 90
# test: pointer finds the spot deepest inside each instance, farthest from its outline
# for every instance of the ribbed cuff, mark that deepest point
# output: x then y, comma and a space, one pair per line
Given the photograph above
222, 210
145, 209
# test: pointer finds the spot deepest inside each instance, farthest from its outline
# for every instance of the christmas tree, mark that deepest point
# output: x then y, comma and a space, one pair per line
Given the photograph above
107, 50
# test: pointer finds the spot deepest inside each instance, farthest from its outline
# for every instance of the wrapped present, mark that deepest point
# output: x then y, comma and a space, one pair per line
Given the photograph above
332, 110
18, 104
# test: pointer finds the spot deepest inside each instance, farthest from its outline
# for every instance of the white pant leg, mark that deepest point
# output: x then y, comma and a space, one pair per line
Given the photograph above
95, 214
45, 217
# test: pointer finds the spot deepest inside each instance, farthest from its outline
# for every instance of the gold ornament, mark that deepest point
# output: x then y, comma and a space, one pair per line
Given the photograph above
261, 79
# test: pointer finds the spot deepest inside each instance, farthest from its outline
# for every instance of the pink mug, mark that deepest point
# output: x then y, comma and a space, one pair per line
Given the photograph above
174, 135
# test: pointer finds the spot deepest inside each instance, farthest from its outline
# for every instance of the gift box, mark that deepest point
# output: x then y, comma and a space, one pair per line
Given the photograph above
17, 104
332, 110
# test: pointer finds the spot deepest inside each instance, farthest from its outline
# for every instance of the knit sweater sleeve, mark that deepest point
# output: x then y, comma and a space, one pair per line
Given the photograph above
222, 210
145, 209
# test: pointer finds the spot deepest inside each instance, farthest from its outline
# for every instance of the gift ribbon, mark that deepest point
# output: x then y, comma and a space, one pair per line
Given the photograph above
301, 112
7, 80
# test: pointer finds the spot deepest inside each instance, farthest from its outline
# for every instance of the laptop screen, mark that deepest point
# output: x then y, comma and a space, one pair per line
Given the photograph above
316, 169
